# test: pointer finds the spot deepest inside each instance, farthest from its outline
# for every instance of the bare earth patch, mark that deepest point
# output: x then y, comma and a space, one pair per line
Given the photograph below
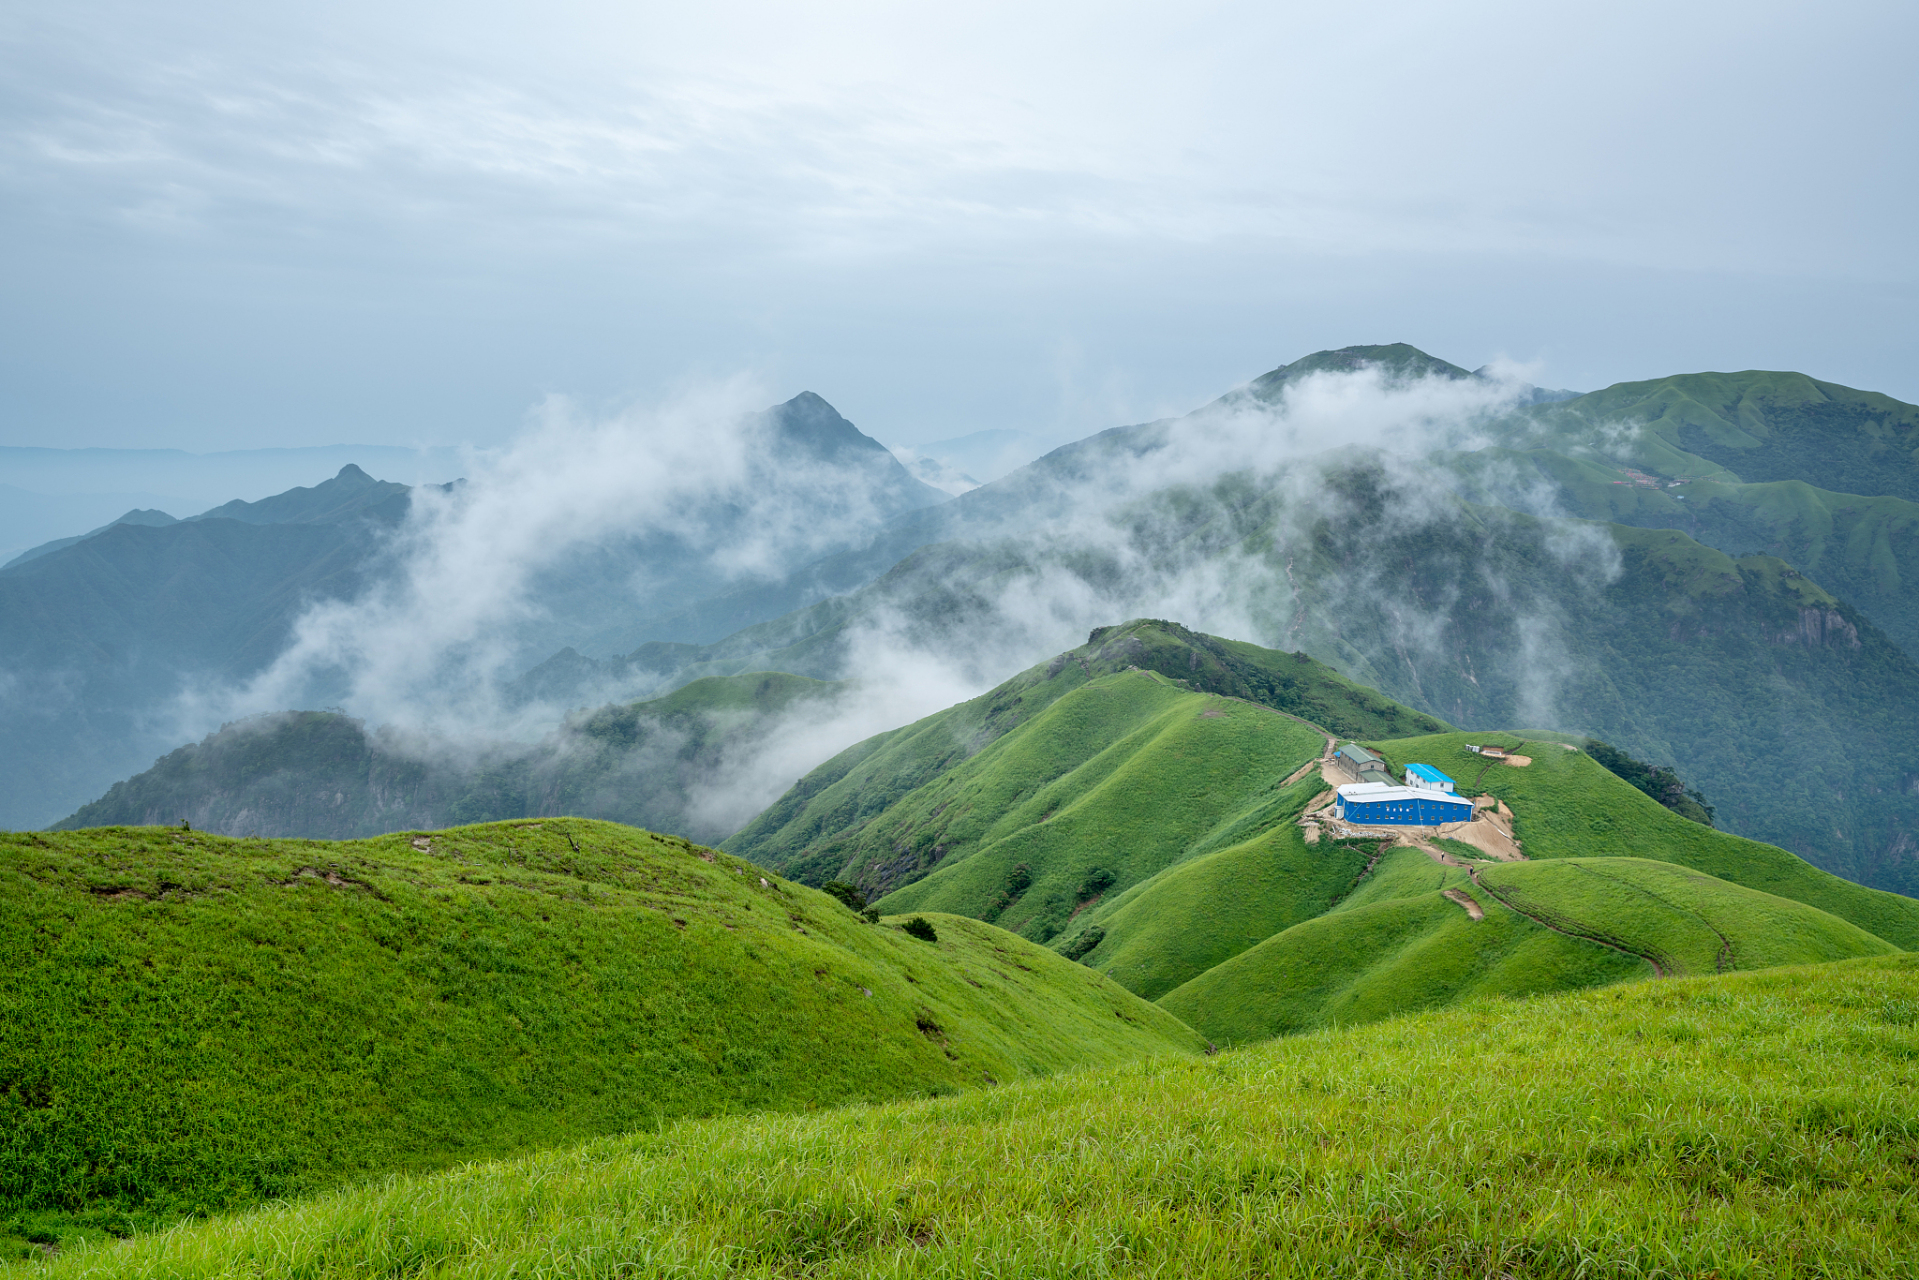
1466, 900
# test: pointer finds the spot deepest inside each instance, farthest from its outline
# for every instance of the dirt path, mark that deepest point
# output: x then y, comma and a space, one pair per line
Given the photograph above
1378, 853
1658, 971
1490, 832
1324, 759
1465, 900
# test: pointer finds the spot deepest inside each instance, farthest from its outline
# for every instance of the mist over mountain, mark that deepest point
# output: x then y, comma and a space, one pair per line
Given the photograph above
1412, 523
119, 644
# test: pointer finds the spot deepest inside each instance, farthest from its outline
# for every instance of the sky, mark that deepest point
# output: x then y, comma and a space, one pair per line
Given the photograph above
232, 226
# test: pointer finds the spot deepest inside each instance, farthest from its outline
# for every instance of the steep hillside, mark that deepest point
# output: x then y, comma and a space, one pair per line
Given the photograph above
888, 810
189, 1022
101, 635
146, 516
660, 764
1748, 1125
1865, 550
1109, 785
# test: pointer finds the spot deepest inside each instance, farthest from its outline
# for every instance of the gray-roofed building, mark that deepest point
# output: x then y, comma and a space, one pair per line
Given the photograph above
1362, 765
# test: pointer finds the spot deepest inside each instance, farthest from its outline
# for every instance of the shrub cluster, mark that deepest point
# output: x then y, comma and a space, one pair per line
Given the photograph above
1089, 938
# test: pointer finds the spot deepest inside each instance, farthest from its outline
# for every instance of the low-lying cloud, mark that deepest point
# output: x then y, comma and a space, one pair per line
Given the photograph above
1220, 520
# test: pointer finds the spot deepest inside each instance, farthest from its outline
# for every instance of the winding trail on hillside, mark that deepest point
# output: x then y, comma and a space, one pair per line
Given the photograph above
1722, 962
1319, 762
1504, 900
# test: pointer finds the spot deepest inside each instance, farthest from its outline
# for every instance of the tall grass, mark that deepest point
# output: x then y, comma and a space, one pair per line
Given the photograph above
191, 1023
1758, 1125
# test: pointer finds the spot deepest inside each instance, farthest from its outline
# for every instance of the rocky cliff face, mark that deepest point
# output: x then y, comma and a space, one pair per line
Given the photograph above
1817, 627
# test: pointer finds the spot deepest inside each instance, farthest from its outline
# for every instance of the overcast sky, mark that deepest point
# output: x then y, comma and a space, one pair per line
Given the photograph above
228, 225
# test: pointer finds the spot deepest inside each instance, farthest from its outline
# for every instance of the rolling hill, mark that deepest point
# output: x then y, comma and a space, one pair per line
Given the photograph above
662, 764
1069, 734
1755, 1124
1546, 926
1277, 935
189, 1022
1150, 828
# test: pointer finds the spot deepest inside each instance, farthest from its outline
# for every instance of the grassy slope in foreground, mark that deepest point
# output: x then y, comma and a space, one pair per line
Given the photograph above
189, 1021
1759, 1124
1568, 806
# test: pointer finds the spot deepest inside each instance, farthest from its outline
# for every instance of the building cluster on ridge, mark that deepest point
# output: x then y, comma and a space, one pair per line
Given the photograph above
1427, 798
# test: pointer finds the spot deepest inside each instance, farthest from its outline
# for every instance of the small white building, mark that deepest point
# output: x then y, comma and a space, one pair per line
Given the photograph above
1423, 777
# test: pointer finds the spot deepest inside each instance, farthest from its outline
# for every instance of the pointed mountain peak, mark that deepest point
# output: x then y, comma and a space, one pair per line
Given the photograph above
1398, 360
352, 474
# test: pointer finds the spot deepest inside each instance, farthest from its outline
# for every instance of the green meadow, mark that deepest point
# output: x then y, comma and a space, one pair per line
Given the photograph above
191, 1022
1751, 1125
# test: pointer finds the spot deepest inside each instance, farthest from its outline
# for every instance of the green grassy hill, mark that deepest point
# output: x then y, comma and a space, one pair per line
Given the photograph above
1245, 887
1399, 944
1276, 936
189, 1022
1143, 829
321, 775
1110, 784
1750, 1125
1763, 425
874, 813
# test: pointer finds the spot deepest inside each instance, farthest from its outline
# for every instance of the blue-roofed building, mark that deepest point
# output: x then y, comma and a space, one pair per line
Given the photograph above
1424, 777
1373, 804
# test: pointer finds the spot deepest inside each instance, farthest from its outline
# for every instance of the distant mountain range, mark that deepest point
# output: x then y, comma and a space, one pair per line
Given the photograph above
54, 494
1755, 634
100, 636
1790, 705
